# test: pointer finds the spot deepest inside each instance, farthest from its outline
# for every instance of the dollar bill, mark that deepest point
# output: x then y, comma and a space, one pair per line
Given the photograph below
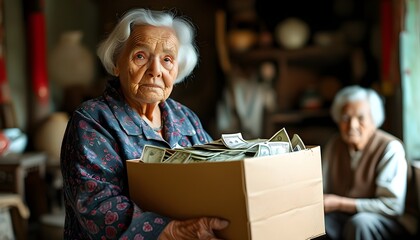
281, 136
153, 154
179, 157
230, 147
263, 150
297, 143
234, 140
278, 147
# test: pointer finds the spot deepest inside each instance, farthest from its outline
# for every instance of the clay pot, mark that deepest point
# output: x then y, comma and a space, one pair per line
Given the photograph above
4, 143
18, 140
49, 136
240, 40
71, 63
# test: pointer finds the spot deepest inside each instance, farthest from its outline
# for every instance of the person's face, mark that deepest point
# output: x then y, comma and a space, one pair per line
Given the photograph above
356, 124
147, 66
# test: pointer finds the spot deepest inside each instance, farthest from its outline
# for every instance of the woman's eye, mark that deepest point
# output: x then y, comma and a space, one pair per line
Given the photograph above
345, 118
167, 62
139, 59
139, 56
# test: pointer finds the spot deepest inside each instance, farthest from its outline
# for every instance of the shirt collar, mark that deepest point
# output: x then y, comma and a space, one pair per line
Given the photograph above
174, 120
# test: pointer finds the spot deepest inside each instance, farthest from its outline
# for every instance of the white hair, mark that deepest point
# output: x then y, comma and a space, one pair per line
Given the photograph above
356, 93
187, 58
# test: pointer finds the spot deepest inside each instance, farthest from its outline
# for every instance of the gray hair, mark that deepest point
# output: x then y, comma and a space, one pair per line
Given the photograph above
185, 31
356, 93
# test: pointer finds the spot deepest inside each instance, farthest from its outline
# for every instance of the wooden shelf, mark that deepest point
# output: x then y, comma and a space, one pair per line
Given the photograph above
298, 116
313, 126
327, 54
298, 71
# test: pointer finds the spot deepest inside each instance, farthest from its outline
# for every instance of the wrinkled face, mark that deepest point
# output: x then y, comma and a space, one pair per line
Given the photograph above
356, 124
147, 66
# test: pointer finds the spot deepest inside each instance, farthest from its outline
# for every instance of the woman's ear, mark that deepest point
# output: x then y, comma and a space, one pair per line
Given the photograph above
116, 71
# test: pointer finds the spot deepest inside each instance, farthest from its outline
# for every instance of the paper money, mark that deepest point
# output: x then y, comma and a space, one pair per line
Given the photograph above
234, 140
278, 147
152, 154
229, 148
281, 136
263, 150
297, 143
179, 157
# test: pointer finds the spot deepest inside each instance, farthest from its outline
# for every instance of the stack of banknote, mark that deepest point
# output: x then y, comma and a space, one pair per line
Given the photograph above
228, 148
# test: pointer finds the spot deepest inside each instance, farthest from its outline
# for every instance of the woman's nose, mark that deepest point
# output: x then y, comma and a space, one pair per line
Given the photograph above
155, 68
354, 121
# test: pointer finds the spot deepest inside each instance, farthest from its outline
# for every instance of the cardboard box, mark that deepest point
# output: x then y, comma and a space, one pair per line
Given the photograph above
271, 197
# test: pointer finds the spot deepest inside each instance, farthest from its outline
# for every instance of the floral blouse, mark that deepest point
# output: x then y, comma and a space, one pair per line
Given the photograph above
101, 135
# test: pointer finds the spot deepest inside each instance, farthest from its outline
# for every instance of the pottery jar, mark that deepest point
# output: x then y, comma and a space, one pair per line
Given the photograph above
71, 63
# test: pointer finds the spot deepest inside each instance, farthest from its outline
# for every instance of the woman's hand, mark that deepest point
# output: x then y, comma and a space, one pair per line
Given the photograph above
334, 202
199, 228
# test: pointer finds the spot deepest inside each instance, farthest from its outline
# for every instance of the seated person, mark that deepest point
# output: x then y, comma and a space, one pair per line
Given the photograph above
365, 172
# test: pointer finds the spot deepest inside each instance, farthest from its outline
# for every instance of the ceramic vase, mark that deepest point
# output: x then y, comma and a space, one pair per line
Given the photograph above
49, 136
71, 62
292, 33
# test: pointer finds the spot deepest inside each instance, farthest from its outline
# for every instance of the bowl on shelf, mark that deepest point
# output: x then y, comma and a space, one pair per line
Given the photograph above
292, 33
12, 140
240, 40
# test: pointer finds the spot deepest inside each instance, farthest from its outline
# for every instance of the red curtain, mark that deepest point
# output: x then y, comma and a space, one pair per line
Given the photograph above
7, 114
391, 18
36, 39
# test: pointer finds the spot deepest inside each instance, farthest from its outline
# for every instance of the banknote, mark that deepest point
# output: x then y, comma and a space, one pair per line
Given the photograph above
234, 140
278, 147
153, 154
297, 143
179, 157
263, 150
229, 147
281, 136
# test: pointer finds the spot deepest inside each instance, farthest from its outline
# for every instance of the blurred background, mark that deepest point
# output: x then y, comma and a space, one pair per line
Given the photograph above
261, 68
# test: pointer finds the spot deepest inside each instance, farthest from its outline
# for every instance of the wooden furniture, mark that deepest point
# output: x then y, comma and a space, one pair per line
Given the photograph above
14, 168
24, 174
13, 212
314, 127
299, 71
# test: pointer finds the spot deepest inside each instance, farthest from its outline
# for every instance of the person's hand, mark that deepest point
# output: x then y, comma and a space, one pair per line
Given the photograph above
331, 203
334, 202
199, 228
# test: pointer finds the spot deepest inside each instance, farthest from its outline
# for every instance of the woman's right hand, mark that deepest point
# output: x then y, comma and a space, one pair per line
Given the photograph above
199, 228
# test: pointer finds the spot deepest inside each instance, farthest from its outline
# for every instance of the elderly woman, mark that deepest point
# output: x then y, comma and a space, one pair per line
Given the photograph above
146, 54
365, 172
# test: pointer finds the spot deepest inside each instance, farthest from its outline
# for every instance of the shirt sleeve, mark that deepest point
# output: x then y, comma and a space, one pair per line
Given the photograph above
95, 187
391, 183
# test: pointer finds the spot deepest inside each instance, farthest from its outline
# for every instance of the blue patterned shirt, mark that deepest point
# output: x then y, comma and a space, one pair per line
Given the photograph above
101, 135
